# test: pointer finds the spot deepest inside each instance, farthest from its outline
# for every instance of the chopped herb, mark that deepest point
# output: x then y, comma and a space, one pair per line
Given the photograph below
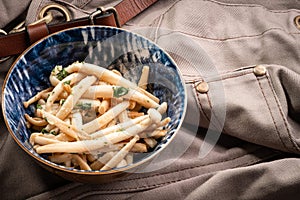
55, 69
39, 106
67, 82
44, 131
84, 106
62, 101
120, 91
62, 74
53, 132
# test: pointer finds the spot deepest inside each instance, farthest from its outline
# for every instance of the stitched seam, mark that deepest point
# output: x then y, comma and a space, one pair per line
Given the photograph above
231, 38
253, 161
241, 71
223, 76
168, 182
209, 102
210, 105
191, 80
192, 167
157, 28
172, 6
251, 6
270, 111
230, 77
283, 117
175, 171
192, 75
96, 192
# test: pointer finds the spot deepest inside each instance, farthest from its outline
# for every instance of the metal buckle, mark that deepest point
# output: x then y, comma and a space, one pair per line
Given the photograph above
102, 11
44, 16
57, 7
21, 27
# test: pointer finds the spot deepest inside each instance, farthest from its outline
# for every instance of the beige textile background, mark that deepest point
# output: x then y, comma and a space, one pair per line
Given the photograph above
257, 155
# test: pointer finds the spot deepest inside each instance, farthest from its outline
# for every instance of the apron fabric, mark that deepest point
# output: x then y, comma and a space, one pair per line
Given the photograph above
257, 154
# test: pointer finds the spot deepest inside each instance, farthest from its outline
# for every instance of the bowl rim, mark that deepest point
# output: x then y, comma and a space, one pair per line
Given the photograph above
93, 172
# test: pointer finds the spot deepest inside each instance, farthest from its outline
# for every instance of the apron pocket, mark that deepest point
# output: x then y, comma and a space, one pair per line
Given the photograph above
252, 110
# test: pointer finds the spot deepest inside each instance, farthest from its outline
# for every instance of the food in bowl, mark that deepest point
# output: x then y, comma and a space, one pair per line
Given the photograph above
92, 118
112, 49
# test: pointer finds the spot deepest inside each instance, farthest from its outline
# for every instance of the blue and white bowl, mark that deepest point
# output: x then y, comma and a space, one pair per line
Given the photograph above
104, 46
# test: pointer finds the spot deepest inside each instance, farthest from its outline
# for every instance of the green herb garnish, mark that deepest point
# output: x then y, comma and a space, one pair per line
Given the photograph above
84, 106
120, 91
62, 74
62, 101
53, 132
55, 69
44, 131
67, 82
39, 106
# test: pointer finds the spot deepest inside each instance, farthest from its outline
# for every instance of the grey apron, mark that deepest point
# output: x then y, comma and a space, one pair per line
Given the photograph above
249, 112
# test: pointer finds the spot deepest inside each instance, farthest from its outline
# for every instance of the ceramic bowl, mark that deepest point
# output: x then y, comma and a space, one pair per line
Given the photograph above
104, 46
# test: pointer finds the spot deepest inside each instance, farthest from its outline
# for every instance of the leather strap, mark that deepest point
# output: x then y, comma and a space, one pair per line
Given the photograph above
16, 43
37, 31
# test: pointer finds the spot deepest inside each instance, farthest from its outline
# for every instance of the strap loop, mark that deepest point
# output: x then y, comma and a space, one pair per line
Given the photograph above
37, 31
21, 27
101, 11
118, 15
